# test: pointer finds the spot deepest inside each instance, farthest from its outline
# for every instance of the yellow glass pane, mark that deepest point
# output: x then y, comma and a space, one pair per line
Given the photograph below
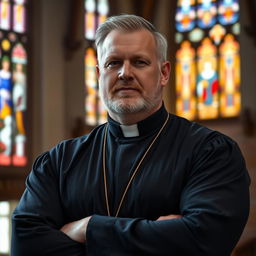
5, 15
185, 81
90, 19
19, 18
230, 98
91, 87
207, 80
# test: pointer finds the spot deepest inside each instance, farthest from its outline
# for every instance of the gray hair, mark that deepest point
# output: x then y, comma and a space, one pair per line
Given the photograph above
128, 22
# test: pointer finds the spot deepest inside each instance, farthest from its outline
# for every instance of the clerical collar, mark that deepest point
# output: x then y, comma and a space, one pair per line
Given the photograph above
130, 130
144, 127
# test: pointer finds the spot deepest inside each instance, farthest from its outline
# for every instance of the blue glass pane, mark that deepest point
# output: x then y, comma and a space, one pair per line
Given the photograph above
228, 12
185, 16
206, 14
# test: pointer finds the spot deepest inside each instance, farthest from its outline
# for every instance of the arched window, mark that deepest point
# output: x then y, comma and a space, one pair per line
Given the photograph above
13, 83
95, 13
207, 59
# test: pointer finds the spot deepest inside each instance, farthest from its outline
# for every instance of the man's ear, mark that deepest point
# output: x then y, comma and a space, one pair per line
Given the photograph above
165, 72
98, 71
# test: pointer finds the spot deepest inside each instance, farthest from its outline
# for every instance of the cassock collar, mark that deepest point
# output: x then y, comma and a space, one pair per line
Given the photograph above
144, 127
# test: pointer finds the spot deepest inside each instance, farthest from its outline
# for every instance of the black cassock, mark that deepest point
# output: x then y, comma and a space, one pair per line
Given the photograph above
190, 170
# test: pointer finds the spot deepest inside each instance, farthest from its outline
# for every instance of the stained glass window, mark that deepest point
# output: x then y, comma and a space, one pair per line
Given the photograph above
186, 81
102, 11
90, 19
185, 15
13, 83
91, 86
229, 77
206, 13
95, 13
207, 59
5, 14
19, 16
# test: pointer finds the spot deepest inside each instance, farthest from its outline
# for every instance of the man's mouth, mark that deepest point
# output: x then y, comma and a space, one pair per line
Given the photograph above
126, 89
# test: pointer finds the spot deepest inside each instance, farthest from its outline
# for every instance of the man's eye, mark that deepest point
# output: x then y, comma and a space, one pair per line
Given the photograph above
113, 63
140, 63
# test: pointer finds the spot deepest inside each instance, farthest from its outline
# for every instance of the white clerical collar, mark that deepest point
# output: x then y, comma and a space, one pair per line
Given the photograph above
130, 130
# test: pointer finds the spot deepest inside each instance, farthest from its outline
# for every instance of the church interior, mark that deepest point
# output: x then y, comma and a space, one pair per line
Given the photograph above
49, 46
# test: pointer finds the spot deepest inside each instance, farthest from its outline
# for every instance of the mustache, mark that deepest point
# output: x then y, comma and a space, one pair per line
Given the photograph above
126, 85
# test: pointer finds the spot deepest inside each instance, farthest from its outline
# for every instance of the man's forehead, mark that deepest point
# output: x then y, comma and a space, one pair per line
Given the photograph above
121, 33
117, 38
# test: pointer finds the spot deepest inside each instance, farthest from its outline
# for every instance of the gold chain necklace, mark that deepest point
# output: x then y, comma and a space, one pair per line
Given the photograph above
134, 173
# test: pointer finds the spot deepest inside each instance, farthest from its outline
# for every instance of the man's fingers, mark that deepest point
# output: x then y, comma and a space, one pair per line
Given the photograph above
169, 217
76, 230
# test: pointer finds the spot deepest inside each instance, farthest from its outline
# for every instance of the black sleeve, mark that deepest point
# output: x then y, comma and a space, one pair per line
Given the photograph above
39, 216
214, 205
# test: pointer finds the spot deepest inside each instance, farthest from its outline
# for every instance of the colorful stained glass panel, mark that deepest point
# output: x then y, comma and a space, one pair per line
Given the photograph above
19, 59
213, 34
217, 33
206, 13
102, 11
13, 92
6, 117
19, 17
91, 86
90, 19
207, 80
229, 77
5, 15
94, 108
185, 15
185, 81
228, 11
196, 35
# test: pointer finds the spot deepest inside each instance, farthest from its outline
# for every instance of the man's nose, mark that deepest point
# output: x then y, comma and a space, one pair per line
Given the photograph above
125, 72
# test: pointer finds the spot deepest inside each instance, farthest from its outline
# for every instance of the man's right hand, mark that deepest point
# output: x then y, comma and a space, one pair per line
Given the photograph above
169, 217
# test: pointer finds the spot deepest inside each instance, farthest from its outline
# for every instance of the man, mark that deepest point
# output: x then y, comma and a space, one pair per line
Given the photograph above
145, 183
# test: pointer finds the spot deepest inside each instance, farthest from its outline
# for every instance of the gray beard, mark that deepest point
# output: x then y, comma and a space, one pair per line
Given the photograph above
120, 107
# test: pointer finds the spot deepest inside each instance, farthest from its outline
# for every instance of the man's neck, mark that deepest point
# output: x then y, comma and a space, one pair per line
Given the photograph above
132, 118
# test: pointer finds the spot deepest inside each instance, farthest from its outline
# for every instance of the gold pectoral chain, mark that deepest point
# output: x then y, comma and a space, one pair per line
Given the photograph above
104, 152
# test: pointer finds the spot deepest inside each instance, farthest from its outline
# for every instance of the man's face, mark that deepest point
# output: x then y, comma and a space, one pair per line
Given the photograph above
131, 77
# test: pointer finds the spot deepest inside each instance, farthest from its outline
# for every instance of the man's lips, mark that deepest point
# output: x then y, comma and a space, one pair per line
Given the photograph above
126, 89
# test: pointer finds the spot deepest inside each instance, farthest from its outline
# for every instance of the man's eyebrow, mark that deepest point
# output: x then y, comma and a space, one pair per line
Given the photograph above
111, 57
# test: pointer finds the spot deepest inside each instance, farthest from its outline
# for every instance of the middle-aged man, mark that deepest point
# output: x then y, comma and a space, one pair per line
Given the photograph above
145, 183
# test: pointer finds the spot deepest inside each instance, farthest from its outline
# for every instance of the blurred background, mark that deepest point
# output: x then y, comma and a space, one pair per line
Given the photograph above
48, 85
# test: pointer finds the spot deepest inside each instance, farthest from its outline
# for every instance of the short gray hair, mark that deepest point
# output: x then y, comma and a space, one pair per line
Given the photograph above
129, 22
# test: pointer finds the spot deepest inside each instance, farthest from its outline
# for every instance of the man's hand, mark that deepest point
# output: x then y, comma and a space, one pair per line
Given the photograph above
76, 230
169, 217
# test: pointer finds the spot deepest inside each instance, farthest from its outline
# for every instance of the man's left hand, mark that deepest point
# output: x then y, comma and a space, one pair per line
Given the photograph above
76, 230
